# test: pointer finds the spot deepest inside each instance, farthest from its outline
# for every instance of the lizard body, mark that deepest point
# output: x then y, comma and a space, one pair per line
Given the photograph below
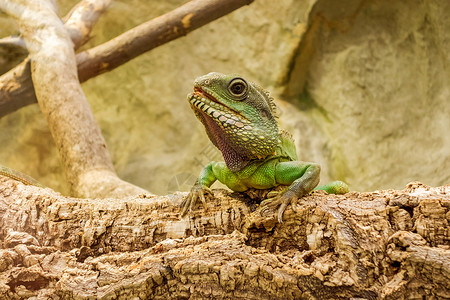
239, 118
16, 175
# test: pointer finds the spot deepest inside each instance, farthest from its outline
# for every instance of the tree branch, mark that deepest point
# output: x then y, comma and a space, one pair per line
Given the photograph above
82, 18
16, 90
16, 86
152, 34
78, 22
389, 244
14, 41
88, 167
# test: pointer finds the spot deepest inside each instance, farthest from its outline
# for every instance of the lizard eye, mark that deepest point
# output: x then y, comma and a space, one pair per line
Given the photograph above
238, 87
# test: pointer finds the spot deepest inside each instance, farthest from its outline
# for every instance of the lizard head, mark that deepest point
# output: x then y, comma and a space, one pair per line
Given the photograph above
239, 117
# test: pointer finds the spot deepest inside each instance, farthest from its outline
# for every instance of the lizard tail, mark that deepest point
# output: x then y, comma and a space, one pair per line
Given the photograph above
335, 187
16, 175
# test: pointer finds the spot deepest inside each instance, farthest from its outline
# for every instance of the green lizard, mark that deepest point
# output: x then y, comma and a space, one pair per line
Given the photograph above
16, 175
239, 118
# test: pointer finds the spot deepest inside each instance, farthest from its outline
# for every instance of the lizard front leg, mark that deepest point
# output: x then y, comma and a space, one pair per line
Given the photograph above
301, 178
212, 172
200, 189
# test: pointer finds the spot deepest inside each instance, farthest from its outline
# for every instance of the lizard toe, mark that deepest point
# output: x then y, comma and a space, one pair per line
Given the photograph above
276, 205
197, 193
269, 206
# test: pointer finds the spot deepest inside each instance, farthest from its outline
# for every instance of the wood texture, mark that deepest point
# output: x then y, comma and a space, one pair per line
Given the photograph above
82, 148
381, 245
16, 86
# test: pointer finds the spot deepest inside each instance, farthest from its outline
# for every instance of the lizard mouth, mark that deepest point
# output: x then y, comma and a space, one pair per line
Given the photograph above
202, 101
209, 97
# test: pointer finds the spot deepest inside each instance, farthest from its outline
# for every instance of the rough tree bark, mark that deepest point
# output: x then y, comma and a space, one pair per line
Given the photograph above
381, 245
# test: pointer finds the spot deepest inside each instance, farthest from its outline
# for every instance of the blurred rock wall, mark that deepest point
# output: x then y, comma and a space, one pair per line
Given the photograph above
362, 85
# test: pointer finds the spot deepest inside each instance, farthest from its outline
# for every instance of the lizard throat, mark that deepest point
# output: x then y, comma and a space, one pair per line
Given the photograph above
235, 136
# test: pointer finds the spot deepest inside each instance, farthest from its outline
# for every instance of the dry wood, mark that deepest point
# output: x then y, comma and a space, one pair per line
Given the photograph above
17, 91
82, 18
385, 244
88, 167
78, 22
16, 86
152, 34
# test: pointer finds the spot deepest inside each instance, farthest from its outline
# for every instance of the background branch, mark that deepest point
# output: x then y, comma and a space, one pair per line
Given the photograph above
78, 22
15, 41
152, 34
16, 86
16, 89
82, 18
83, 152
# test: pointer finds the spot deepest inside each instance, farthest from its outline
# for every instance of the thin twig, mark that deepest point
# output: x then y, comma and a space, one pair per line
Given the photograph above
15, 41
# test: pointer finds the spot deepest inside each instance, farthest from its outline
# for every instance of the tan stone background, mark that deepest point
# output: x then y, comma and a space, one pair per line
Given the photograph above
363, 86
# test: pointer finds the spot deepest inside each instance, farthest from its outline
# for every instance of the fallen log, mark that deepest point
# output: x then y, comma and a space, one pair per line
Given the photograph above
386, 244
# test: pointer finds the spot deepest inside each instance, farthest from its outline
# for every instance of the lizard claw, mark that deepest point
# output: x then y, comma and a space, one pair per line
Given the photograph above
197, 192
280, 202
